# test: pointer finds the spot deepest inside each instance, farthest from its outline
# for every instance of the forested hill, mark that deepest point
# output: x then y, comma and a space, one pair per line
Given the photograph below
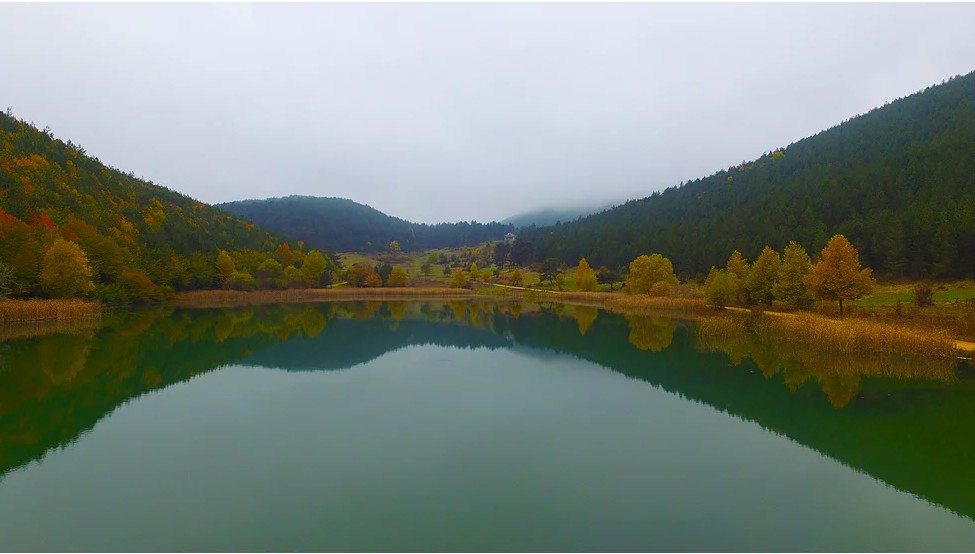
341, 225
899, 182
128, 227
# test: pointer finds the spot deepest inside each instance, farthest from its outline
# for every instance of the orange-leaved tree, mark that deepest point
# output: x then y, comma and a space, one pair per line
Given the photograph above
837, 274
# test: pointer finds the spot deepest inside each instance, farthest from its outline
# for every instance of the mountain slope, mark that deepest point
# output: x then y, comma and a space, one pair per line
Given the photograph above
341, 225
898, 181
51, 189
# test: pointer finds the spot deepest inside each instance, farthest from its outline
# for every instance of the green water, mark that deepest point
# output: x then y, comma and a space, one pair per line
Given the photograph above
472, 427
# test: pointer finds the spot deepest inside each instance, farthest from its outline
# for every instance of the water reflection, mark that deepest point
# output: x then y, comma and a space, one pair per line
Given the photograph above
905, 421
838, 375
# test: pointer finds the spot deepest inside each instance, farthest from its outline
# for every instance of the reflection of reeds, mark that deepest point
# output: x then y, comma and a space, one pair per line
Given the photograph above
227, 298
637, 303
723, 325
48, 310
838, 373
27, 329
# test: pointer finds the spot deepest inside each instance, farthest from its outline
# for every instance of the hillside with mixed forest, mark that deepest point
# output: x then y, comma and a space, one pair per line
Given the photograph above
898, 181
341, 225
132, 234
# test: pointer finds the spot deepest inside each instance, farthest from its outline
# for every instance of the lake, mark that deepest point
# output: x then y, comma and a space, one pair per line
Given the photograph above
460, 426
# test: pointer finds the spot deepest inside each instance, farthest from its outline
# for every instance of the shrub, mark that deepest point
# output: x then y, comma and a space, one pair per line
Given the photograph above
923, 294
661, 288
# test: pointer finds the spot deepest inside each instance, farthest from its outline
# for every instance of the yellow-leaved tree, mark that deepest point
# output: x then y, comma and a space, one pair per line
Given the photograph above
585, 277
65, 271
837, 274
397, 277
459, 279
225, 266
646, 271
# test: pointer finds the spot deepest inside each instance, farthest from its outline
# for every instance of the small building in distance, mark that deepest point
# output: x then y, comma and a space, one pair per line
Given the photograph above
509, 238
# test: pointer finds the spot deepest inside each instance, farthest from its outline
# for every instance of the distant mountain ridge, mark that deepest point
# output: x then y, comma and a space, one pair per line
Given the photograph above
898, 181
342, 225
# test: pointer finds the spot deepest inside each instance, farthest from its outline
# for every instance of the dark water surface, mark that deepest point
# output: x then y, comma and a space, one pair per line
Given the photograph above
459, 426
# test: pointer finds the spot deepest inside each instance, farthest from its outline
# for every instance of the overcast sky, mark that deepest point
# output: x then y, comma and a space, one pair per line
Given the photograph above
436, 112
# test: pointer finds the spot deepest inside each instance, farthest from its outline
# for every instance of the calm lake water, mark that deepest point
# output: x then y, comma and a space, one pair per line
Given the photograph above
458, 426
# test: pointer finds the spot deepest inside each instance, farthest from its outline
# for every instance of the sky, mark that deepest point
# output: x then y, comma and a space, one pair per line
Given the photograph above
449, 112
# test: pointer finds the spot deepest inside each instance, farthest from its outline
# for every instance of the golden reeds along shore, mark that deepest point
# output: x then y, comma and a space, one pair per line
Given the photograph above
16, 311
825, 334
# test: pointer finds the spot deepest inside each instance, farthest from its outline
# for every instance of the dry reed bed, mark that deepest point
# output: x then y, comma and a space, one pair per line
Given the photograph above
14, 311
842, 336
229, 298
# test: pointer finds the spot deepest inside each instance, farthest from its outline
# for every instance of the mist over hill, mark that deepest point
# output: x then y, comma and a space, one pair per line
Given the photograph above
341, 225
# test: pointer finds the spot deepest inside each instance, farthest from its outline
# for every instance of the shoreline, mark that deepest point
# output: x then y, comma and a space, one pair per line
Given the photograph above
33, 312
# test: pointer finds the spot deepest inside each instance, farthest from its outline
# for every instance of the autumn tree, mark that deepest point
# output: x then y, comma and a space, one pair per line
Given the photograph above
138, 287
646, 271
240, 280
761, 278
313, 268
65, 271
359, 272
790, 285
475, 274
585, 277
459, 279
284, 255
6, 280
373, 280
837, 274
516, 278
738, 266
722, 288
397, 277
292, 278
225, 266
269, 274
